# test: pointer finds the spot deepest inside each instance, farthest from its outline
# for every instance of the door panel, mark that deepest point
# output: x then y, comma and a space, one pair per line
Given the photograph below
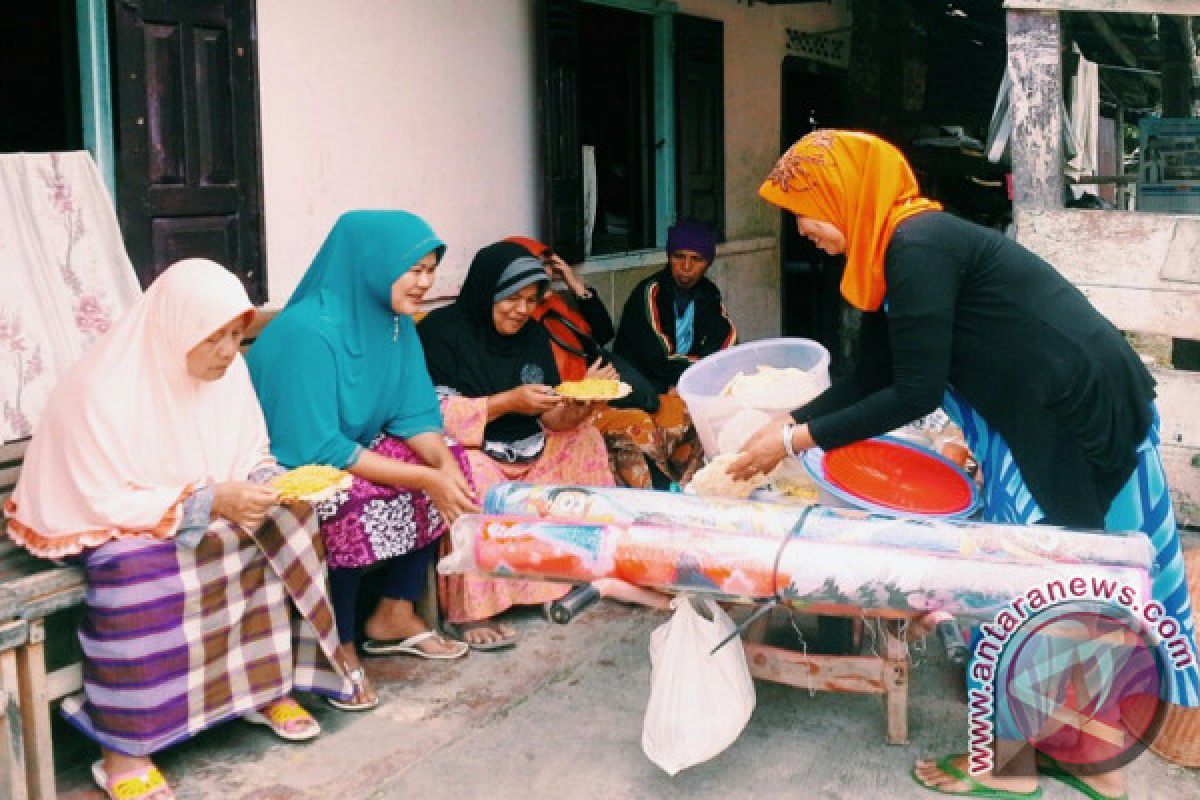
188, 145
562, 161
700, 119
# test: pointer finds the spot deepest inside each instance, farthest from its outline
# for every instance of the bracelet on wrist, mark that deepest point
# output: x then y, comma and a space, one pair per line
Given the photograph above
789, 431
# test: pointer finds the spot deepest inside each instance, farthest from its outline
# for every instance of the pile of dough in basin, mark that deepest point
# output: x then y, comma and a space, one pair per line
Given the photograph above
774, 389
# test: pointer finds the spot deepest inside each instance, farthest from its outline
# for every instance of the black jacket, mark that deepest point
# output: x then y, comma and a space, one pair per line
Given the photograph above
646, 335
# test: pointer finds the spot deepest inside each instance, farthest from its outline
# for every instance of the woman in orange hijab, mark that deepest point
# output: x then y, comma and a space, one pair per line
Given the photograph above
1055, 405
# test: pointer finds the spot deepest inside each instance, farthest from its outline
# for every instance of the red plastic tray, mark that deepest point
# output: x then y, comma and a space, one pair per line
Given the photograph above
899, 476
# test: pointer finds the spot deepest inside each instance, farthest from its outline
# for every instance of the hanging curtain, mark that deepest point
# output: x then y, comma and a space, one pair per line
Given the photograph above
64, 275
1085, 123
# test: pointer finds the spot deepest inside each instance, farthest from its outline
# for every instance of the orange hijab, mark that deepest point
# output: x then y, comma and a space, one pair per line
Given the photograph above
859, 183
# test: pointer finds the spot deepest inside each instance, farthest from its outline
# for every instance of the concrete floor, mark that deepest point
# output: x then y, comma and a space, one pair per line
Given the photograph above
560, 717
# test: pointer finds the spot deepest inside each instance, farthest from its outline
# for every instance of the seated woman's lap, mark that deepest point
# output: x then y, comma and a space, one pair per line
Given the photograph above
368, 522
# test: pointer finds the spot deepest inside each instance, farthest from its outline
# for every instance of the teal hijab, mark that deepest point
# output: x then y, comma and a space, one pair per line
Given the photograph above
338, 367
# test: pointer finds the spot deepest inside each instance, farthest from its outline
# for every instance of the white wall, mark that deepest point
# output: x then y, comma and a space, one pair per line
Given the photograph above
412, 104
755, 46
431, 106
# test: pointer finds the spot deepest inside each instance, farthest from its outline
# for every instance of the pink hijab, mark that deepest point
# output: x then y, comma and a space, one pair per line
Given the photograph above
127, 434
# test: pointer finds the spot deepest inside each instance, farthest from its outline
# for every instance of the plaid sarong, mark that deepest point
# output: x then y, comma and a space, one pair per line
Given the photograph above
176, 640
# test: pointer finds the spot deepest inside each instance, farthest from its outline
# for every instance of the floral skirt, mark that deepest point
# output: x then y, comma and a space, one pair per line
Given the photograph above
665, 438
368, 522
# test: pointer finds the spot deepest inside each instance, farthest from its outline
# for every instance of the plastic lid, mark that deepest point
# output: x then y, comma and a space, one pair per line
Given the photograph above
900, 477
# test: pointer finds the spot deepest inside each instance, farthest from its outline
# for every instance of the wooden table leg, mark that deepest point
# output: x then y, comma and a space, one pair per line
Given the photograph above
35, 714
12, 756
895, 674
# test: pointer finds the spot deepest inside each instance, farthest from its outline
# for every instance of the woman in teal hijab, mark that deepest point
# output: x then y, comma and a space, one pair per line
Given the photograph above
342, 380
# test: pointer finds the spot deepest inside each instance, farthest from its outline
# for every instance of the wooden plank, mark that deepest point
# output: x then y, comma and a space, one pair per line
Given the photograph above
1158, 311
11, 452
820, 673
1182, 465
1035, 67
1178, 393
10, 605
35, 716
44, 605
35, 588
8, 476
64, 681
12, 751
13, 634
1181, 7
1132, 249
895, 681
427, 605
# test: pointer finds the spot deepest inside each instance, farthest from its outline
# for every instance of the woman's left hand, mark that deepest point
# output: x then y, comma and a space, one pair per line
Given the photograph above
602, 371
761, 453
560, 270
455, 473
575, 412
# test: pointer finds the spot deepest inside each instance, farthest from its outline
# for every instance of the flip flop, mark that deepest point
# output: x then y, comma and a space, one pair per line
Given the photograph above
391, 647
457, 633
144, 784
1053, 769
279, 714
358, 679
974, 787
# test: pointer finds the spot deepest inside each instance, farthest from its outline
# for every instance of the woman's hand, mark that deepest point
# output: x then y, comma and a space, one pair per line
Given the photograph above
560, 270
243, 503
533, 399
450, 493
763, 451
602, 371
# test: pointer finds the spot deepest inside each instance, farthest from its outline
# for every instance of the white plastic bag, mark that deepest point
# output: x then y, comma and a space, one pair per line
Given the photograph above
699, 703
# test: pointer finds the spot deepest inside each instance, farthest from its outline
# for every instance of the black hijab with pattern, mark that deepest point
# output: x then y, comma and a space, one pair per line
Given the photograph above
466, 353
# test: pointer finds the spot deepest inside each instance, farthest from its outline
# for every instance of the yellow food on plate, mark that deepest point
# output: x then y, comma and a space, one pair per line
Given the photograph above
310, 483
593, 389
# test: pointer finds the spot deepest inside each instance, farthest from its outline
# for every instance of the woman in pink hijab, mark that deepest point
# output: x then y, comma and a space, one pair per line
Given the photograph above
149, 468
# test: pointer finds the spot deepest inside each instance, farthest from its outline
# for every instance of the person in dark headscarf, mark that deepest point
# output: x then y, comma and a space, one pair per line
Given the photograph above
672, 319
494, 369
675, 317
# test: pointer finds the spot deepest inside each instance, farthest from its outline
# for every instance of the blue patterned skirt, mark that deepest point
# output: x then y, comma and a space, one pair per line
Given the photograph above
1143, 504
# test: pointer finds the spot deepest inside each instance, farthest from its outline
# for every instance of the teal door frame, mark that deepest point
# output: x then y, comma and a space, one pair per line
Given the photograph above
96, 87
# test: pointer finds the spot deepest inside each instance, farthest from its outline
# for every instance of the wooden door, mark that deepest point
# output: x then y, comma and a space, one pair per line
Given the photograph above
562, 172
700, 120
188, 174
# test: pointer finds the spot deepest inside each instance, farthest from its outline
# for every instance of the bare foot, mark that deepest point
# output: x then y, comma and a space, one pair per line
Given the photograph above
933, 777
626, 592
487, 632
364, 692
397, 619
1107, 784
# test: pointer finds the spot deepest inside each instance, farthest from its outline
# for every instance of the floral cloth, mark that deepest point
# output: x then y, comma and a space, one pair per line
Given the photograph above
665, 438
368, 523
573, 457
66, 276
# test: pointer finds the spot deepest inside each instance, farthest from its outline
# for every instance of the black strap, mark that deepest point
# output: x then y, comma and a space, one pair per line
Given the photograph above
558, 317
776, 598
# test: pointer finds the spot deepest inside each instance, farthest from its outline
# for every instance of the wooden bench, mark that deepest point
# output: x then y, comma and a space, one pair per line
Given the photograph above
31, 589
